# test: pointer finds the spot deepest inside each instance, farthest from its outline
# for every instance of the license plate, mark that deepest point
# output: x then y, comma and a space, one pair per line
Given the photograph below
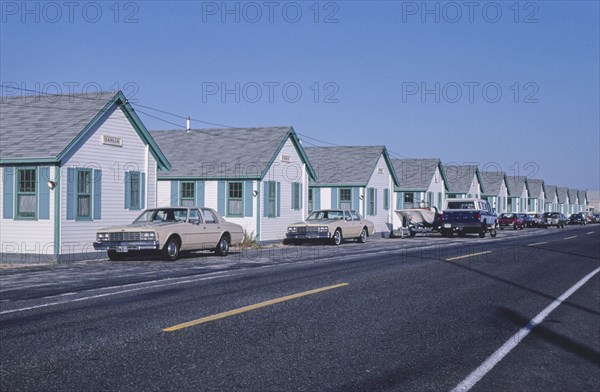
447, 226
121, 249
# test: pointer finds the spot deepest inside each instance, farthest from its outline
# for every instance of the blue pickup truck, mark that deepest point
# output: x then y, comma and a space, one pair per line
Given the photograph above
464, 216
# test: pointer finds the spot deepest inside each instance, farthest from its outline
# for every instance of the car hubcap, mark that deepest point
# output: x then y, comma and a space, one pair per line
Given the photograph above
172, 249
224, 246
336, 237
363, 235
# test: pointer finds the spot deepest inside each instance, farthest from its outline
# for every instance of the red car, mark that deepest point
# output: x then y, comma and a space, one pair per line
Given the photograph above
516, 221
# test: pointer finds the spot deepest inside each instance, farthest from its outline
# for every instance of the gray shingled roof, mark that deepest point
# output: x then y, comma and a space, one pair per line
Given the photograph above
551, 192
582, 195
535, 187
515, 185
563, 194
415, 174
43, 126
344, 165
573, 196
492, 182
220, 153
459, 177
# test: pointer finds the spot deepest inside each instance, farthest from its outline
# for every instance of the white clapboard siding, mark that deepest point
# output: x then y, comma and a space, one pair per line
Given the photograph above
163, 193
78, 236
381, 181
27, 237
285, 173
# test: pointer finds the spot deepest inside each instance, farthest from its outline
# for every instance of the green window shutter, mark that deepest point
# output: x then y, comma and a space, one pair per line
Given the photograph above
71, 185
355, 198
294, 195
300, 195
386, 199
200, 194
439, 202
174, 193
221, 198
97, 176
316, 199
375, 191
127, 198
266, 186
278, 198
8, 193
143, 191
399, 197
334, 198
43, 192
248, 205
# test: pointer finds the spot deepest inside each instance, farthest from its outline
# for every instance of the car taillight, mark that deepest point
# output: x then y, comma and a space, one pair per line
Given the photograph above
443, 216
479, 216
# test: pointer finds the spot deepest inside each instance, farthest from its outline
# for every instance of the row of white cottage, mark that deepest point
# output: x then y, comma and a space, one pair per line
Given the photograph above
74, 164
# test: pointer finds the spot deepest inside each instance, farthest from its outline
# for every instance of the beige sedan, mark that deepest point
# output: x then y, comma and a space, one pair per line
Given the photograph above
169, 231
331, 225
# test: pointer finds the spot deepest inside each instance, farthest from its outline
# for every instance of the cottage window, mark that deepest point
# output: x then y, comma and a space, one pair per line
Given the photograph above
235, 203
296, 196
84, 193
26, 194
372, 201
345, 198
188, 194
272, 199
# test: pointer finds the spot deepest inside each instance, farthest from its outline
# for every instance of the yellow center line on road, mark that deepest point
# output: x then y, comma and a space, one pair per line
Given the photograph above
248, 308
538, 243
571, 237
469, 255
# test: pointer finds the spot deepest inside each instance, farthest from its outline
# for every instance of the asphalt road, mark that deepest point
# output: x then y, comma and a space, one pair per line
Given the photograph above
416, 314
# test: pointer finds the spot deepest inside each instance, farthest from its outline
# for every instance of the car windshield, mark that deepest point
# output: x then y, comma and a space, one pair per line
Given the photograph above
163, 215
318, 215
507, 216
461, 205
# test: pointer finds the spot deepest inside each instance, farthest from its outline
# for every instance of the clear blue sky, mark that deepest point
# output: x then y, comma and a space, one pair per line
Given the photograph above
369, 67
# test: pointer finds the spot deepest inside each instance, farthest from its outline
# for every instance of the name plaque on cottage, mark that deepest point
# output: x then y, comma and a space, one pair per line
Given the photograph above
112, 141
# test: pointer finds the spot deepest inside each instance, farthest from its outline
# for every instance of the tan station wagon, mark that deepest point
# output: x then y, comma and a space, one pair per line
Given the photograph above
332, 225
169, 231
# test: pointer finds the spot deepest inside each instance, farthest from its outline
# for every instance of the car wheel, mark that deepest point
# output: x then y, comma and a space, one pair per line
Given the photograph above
482, 232
170, 251
337, 237
493, 233
515, 226
413, 233
521, 228
501, 228
113, 255
362, 238
223, 246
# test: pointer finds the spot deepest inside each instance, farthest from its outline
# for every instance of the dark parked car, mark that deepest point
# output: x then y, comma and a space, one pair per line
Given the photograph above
516, 221
533, 219
578, 219
554, 219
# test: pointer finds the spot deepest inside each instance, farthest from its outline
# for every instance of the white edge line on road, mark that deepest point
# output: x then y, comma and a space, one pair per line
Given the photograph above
538, 243
512, 342
570, 238
590, 232
109, 294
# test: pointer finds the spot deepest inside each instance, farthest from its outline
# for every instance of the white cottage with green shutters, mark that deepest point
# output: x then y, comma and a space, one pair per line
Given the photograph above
361, 178
518, 193
495, 190
463, 181
71, 164
256, 177
420, 181
551, 201
537, 195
